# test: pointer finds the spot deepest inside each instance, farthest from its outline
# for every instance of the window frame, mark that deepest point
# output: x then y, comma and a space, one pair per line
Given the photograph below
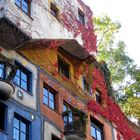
25, 122
54, 9
63, 68
68, 108
85, 85
98, 96
23, 70
50, 91
98, 126
28, 2
81, 16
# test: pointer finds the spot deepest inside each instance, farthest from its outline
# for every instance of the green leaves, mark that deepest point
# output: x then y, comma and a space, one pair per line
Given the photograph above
105, 29
124, 72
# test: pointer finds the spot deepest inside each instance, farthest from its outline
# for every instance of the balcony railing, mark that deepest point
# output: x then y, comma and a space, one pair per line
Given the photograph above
7, 73
75, 128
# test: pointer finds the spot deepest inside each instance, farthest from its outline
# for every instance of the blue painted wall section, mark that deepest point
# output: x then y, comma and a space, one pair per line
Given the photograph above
35, 123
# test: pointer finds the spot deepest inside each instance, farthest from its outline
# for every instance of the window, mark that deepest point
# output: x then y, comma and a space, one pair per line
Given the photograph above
68, 119
63, 68
20, 128
23, 78
49, 97
54, 10
81, 16
98, 97
2, 70
96, 129
2, 117
85, 84
24, 5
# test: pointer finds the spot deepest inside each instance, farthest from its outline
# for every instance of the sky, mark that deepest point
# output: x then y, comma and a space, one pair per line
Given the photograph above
127, 12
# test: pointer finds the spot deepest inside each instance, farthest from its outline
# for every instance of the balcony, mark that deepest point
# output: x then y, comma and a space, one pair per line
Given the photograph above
74, 124
7, 72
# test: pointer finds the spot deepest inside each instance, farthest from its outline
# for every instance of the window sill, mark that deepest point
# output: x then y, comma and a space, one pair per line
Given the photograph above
51, 109
23, 89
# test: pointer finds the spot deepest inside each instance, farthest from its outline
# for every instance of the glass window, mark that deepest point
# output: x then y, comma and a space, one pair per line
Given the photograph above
81, 16
49, 97
54, 10
23, 78
24, 5
68, 119
98, 97
96, 129
93, 131
85, 85
63, 68
2, 70
20, 128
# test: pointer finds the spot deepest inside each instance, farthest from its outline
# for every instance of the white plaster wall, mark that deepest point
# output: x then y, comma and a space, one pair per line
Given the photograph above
49, 130
29, 100
41, 24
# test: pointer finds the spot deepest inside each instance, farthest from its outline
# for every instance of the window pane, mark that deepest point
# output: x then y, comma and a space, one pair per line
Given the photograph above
93, 132
16, 123
23, 127
17, 2
65, 119
17, 80
20, 133
63, 68
81, 18
25, 9
51, 96
24, 3
16, 134
99, 136
24, 85
18, 73
1, 73
51, 104
24, 76
54, 13
1, 66
1, 70
45, 92
70, 117
22, 136
64, 108
45, 100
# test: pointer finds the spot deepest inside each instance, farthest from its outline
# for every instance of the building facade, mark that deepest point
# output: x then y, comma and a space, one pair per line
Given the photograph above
51, 86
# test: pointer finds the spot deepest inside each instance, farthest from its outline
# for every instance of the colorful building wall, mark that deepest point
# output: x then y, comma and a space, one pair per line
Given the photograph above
41, 40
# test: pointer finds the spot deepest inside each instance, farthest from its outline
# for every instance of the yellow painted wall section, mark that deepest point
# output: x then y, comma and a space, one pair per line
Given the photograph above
47, 59
43, 57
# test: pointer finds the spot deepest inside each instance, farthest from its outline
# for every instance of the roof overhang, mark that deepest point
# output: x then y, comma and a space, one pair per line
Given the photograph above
70, 46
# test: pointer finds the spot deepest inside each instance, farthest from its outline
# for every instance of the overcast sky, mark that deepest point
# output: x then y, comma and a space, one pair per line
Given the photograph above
128, 14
